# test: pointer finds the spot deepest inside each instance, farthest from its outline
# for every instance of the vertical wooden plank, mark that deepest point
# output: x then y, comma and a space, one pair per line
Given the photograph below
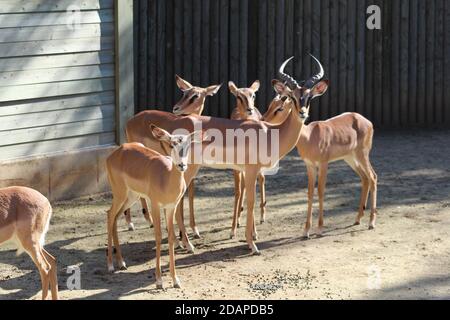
307, 39
270, 47
124, 66
430, 62
169, 74
421, 66
214, 64
447, 64
412, 83
334, 55
404, 29
325, 54
136, 50
143, 55
377, 74
351, 55
205, 11
234, 45
438, 63
196, 41
253, 7
343, 67
360, 56
315, 49
289, 29
279, 34
298, 40
161, 56
152, 56
387, 43
224, 56
187, 37
395, 70
243, 40
179, 45
262, 53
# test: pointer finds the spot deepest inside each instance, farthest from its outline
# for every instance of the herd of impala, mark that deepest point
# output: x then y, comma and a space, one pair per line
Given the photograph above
157, 165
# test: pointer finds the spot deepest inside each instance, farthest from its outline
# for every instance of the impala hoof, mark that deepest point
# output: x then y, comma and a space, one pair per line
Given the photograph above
306, 235
111, 269
123, 266
255, 237
159, 284
131, 226
371, 227
238, 224
357, 223
262, 220
233, 235
190, 248
196, 233
255, 250
177, 283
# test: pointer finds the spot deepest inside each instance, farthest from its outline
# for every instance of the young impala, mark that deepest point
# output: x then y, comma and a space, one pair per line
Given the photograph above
282, 137
136, 171
24, 218
192, 102
346, 137
245, 110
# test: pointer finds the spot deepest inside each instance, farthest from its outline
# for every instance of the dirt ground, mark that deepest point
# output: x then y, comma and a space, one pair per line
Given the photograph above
407, 256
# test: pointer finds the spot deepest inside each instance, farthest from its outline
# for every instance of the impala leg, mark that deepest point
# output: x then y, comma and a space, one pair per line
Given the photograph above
32, 246
130, 224
156, 215
311, 185
146, 212
241, 200
52, 274
262, 190
364, 189
169, 217
250, 186
111, 217
237, 202
373, 191
192, 223
323, 171
184, 236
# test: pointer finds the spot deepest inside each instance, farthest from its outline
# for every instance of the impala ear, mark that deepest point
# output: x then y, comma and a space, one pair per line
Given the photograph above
255, 86
279, 87
319, 89
232, 87
212, 90
159, 134
182, 84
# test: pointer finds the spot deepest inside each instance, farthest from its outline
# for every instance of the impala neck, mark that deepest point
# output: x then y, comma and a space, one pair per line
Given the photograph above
289, 132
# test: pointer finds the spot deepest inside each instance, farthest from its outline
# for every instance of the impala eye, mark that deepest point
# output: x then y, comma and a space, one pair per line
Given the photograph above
193, 98
284, 98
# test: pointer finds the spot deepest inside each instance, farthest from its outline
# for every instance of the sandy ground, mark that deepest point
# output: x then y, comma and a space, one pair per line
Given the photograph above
407, 256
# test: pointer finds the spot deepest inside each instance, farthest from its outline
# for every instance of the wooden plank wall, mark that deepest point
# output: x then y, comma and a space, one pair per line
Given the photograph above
56, 80
397, 77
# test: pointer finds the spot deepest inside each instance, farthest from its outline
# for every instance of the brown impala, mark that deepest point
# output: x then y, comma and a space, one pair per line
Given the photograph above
136, 171
192, 102
346, 137
24, 218
286, 133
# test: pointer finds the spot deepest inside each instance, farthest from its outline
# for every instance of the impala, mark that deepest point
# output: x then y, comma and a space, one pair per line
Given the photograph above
286, 133
25, 218
245, 110
136, 171
346, 137
192, 102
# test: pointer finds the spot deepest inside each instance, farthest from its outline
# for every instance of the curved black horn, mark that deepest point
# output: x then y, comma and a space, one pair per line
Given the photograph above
314, 79
289, 80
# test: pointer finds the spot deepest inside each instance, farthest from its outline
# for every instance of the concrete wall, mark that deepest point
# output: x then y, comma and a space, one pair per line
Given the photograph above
61, 176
